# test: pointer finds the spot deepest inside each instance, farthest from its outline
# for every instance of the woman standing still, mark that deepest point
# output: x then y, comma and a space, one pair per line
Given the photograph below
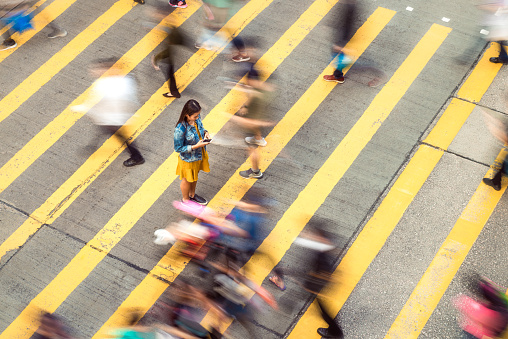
189, 139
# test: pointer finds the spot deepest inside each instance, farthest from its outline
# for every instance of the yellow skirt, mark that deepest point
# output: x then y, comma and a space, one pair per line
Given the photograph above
190, 170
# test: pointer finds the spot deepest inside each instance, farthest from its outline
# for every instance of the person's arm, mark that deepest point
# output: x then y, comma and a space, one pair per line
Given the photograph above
251, 123
90, 101
179, 140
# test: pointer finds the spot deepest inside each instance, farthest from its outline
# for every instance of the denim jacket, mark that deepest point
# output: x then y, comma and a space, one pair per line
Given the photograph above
185, 136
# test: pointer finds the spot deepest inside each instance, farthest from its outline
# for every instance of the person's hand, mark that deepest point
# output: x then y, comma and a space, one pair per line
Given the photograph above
243, 110
207, 135
157, 68
200, 144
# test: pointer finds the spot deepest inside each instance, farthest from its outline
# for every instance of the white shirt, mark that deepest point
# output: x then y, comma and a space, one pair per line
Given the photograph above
118, 100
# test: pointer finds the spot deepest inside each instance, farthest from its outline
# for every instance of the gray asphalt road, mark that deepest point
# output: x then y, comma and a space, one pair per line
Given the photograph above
30, 270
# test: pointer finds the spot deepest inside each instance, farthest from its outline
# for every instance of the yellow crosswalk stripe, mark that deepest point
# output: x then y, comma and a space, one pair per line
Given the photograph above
370, 240
375, 233
171, 265
86, 174
48, 14
62, 58
473, 89
431, 287
81, 265
434, 282
56, 204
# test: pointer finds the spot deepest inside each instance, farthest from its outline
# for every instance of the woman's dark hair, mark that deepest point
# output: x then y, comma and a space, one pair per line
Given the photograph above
191, 107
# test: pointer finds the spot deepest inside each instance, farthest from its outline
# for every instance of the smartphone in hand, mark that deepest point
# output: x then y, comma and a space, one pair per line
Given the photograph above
207, 140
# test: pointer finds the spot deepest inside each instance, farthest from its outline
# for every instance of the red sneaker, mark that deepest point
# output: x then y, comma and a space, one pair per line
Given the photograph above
240, 57
333, 79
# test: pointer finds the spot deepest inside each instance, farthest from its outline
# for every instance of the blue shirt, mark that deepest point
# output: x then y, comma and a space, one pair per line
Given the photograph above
184, 137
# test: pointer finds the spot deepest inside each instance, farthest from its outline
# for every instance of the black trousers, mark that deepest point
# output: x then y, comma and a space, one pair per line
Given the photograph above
169, 74
503, 56
120, 134
333, 328
499, 175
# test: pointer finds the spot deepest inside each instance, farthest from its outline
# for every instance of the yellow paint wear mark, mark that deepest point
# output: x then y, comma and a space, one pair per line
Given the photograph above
33, 8
482, 76
57, 290
40, 21
431, 287
62, 58
170, 266
97, 162
375, 233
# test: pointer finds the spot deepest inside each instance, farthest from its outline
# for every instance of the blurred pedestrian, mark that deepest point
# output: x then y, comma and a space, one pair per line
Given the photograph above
240, 298
216, 14
495, 182
118, 101
17, 17
320, 247
250, 216
51, 327
498, 129
163, 60
190, 140
253, 116
486, 314
497, 22
137, 327
189, 302
343, 32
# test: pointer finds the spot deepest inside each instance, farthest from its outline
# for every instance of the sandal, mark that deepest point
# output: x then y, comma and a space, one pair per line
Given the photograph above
141, 2
278, 282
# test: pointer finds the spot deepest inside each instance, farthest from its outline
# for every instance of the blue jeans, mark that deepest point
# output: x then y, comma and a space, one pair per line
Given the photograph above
340, 63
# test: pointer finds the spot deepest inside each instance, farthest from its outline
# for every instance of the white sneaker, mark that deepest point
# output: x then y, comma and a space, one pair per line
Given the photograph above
57, 33
252, 140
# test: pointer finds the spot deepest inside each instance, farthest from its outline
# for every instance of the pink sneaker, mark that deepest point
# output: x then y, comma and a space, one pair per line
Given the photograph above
190, 207
178, 3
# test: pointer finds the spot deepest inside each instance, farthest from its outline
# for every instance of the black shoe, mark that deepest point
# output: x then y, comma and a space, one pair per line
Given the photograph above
491, 183
200, 200
131, 162
8, 44
326, 334
498, 60
141, 2
171, 95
